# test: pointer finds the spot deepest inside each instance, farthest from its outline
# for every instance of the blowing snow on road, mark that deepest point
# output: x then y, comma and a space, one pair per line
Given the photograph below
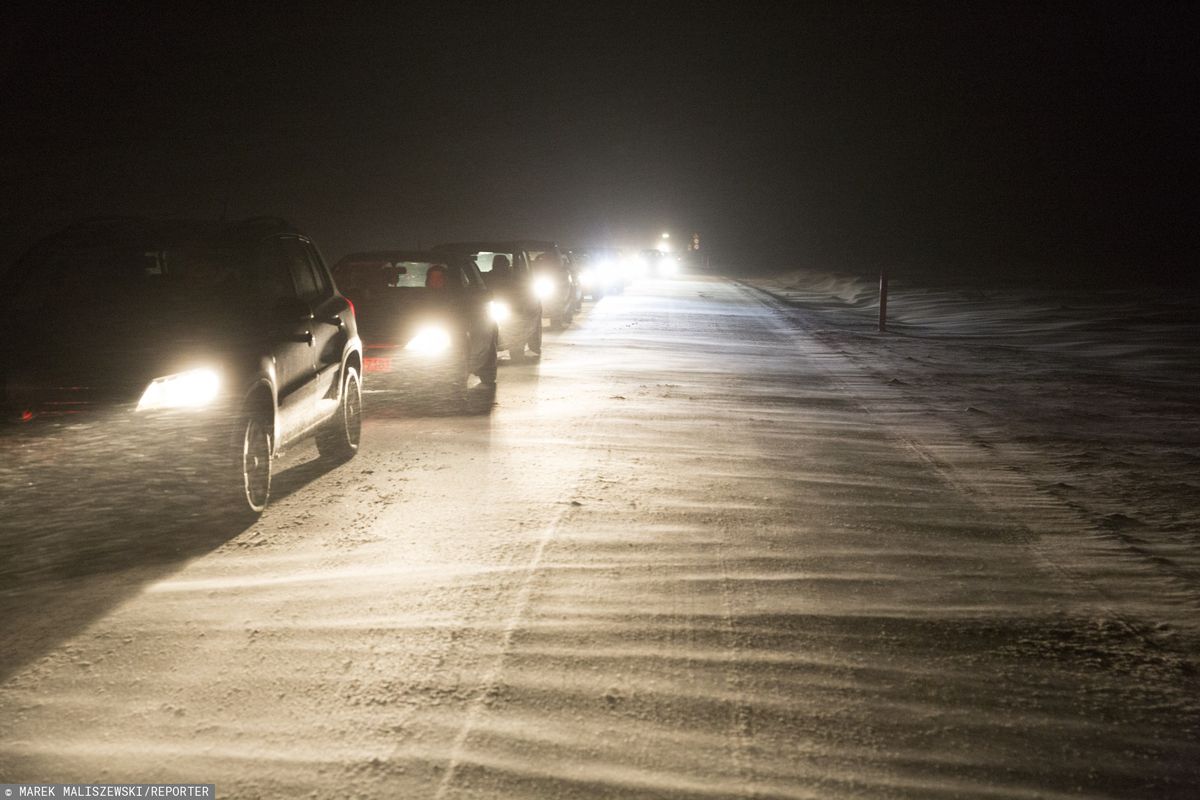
697, 550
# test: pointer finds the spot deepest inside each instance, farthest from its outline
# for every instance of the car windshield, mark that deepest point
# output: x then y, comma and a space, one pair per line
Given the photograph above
486, 259
543, 259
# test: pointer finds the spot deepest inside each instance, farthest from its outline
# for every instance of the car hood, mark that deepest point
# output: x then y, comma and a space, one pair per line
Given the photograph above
79, 363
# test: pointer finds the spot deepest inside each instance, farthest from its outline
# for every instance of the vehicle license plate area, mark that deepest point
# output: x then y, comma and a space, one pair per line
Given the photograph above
377, 364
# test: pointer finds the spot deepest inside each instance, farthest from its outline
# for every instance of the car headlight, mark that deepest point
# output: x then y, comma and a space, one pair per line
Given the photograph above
587, 278
498, 310
543, 287
195, 388
668, 266
429, 341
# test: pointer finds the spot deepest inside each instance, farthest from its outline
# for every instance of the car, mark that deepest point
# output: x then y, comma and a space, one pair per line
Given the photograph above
195, 347
576, 282
427, 320
601, 271
554, 281
656, 263
517, 309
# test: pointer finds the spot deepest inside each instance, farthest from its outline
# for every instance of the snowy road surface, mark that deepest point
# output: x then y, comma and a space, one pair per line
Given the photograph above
696, 551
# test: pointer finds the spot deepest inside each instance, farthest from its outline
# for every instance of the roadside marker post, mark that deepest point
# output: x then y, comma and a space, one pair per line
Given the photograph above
883, 292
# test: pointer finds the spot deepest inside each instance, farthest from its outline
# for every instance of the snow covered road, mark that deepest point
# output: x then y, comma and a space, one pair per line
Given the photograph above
696, 551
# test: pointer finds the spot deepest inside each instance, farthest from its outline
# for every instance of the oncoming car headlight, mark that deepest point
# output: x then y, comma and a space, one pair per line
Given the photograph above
195, 388
498, 310
543, 287
429, 341
587, 278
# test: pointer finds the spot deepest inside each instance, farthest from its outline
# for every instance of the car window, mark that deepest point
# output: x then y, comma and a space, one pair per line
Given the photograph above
104, 275
471, 275
484, 260
543, 259
318, 268
456, 276
520, 264
274, 278
294, 255
377, 274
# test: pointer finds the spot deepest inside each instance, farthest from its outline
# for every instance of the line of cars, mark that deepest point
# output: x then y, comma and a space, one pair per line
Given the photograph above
200, 350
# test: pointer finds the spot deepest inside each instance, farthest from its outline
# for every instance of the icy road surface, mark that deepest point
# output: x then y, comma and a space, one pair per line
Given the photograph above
696, 551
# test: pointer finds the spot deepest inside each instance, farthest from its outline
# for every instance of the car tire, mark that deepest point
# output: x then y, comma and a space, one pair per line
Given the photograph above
535, 342
338, 440
487, 372
250, 484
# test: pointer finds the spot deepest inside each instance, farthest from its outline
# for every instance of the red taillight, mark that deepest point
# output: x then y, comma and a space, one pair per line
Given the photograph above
26, 415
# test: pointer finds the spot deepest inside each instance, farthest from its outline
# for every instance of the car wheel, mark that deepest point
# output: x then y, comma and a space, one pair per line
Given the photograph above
535, 342
487, 373
253, 465
339, 439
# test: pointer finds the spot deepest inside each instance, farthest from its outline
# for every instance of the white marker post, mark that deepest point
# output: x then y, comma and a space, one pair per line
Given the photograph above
883, 289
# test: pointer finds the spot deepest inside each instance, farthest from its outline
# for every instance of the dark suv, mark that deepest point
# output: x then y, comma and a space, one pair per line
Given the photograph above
197, 347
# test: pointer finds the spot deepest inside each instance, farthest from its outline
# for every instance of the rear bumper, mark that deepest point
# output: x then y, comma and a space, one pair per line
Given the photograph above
397, 368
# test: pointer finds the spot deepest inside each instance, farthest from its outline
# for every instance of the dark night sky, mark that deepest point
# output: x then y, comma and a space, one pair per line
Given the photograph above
965, 136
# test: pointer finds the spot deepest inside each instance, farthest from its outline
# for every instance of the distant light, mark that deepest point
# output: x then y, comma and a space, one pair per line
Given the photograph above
666, 235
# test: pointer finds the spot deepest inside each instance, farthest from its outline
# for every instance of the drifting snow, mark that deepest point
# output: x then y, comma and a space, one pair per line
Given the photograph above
707, 547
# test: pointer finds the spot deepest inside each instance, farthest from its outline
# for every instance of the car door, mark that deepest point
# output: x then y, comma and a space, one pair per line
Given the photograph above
525, 303
290, 331
330, 333
474, 298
